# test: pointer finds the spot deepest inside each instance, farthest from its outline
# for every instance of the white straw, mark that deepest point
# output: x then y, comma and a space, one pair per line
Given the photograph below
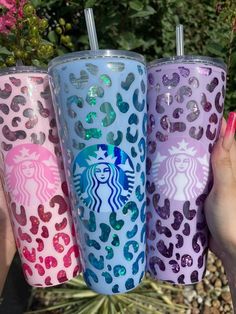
92, 34
179, 40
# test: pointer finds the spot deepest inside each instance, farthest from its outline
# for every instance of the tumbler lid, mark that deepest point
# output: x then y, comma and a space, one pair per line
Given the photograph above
97, 54
209, 61
22, 69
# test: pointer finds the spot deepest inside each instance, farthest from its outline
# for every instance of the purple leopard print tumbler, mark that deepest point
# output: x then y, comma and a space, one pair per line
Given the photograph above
185, 108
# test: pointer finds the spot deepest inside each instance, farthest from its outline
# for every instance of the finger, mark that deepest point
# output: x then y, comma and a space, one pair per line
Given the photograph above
223, 127
228, 138
221, 165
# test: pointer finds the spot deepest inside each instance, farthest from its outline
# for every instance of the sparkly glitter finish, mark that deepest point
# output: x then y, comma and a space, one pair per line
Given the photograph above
185, 101
31, 168
104, 145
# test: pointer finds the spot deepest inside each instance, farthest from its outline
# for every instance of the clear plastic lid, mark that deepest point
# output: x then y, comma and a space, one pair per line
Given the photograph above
190, 60
96, 54
22, 69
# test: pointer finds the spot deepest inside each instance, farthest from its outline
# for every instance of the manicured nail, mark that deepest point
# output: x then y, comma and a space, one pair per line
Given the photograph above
231, 124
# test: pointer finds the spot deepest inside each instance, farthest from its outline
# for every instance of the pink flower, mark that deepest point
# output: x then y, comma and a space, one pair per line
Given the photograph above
12, 14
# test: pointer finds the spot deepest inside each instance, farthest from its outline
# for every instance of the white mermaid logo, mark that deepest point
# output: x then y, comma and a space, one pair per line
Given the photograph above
181, 175
105, 181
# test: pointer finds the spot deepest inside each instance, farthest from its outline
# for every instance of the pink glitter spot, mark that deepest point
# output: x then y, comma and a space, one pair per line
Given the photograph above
61, 276
50, 261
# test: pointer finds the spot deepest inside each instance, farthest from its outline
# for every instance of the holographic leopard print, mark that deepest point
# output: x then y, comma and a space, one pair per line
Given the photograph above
104, 144
185, 107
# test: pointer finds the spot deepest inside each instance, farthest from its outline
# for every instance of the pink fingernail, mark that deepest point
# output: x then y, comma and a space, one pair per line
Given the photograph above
231, 124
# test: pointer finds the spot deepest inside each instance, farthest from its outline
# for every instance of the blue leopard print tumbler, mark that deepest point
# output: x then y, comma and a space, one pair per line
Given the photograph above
100, 104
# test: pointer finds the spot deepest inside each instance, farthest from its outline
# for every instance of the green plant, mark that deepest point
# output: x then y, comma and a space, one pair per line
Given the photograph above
75, 297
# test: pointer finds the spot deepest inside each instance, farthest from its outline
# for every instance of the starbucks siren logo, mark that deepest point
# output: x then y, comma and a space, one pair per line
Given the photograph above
181, 173
103, 177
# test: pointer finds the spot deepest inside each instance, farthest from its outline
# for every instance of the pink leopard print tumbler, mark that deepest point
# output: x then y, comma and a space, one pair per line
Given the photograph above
185, 107
34, 180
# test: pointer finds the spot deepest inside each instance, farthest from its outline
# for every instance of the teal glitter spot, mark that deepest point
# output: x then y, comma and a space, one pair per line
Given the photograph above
119, 270
90, 224
116, 66
93, 69
106, 80
128, 255
128, 81
133, 152
133, 119
143, 87
115, 289
122, 105
144, 125
143, 234
141, 277
143, 178
131, 138
106, 108
89, 273
98, 264
94, 92
143, 212
135, 267
110, 252
90, 117
138, 106
130, 234
140, 70
116, 224
138, 167
86, 134
129, 284
80, 82
112, 141
107, 276
75, 101
142, 149
91, 243
76, 145
109, 267
131, 206
105, 229
139, 195
116, 240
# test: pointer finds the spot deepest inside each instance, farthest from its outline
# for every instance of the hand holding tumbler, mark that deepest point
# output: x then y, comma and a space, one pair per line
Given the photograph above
34, 178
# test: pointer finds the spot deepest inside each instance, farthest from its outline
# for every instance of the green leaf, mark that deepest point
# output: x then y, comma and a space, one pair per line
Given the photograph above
216, 49
144, 13
5, 51
90, 3
52, 36
136, 5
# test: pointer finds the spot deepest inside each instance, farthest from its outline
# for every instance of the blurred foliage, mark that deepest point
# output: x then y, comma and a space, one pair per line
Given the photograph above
148, 27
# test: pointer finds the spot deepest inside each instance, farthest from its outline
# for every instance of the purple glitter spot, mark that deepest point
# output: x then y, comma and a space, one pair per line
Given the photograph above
180, 242
177, 256
204, 71
162, 229
223, 76
150, 187
186, 260
210, 148
210, 135
182, 92
196, 237
148, 165
177, 127
152, 147
181, 279
223, 91
219, 107
165, 123
174, 266
171, 82
161, 137
159, 107
186, 230
154, 260
178, 218
177, 112
189, 214
206, 105
197, 135
194, 276
195, 112
162, 248
162, 211
210, 87
151, 79
201, 199
184, 71
213, 118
